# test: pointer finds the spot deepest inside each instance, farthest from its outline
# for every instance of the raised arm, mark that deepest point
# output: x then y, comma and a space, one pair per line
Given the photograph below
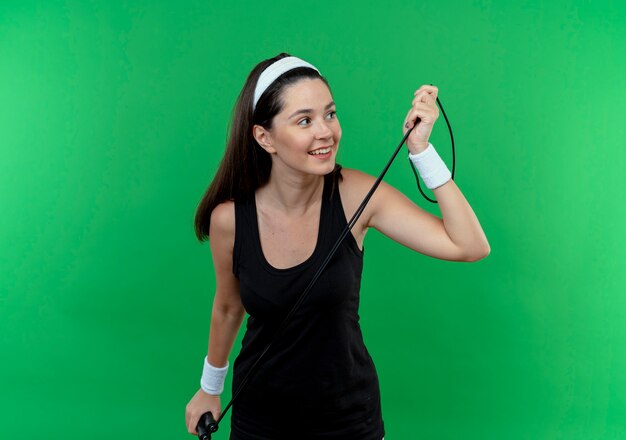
457, 236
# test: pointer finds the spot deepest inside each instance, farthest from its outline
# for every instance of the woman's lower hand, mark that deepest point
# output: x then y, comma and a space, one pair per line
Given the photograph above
424, 106
200, 403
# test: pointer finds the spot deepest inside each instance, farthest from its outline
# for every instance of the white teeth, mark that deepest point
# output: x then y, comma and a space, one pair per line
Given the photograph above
320, 151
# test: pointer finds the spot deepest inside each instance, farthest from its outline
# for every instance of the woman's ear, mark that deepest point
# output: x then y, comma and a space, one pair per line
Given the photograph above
263, 138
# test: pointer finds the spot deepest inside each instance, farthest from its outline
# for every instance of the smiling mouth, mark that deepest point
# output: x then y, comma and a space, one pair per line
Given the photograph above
324, 150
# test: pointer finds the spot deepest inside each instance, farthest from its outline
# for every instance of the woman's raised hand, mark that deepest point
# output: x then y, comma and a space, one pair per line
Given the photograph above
424, 106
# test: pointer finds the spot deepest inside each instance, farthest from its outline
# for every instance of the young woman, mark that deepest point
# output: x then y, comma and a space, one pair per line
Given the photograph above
274, 210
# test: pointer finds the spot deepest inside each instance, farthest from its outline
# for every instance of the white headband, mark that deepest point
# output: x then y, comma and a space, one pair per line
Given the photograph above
273, 71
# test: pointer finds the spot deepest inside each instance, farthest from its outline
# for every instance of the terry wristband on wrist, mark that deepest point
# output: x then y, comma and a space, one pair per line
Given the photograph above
431, 167
212, 380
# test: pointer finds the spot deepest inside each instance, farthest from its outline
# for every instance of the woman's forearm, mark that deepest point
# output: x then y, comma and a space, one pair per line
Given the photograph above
225, 324
460, 221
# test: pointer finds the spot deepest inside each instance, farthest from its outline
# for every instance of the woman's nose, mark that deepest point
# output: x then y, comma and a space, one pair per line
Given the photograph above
323, 130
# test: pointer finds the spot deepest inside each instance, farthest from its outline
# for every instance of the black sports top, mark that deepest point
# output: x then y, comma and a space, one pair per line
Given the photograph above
317, 381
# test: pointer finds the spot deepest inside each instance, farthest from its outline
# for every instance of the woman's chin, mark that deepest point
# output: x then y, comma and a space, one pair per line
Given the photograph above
324, 164
325, 168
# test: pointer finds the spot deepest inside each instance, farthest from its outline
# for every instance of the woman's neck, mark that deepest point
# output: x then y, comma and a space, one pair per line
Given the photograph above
293, 193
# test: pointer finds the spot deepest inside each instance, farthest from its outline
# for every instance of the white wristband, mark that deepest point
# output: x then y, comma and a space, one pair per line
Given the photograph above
432, 169
212, 380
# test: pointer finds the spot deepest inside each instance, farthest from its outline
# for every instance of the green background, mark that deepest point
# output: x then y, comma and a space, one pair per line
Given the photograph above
113, 119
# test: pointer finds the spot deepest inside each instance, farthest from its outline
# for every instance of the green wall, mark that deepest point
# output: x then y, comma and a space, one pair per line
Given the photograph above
114, 117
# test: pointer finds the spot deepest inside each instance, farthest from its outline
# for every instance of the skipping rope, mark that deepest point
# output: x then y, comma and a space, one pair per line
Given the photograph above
207, 423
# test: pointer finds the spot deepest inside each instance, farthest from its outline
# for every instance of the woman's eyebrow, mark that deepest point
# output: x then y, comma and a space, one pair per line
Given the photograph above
310, 110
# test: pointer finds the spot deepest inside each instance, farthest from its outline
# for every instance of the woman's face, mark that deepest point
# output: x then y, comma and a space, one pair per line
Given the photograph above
305, 135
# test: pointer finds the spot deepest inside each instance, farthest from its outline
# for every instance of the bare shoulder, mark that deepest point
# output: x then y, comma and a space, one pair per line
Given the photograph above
222, 239
355, 186
359, 181
223, 219
222, 228
386, 198
356, 179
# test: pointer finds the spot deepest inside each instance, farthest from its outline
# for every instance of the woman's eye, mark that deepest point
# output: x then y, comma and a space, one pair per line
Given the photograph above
305, 121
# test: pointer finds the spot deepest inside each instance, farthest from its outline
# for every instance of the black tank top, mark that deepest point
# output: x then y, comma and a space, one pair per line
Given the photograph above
317, 381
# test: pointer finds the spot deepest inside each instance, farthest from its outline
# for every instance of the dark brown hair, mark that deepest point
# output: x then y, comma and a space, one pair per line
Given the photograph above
246, 166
